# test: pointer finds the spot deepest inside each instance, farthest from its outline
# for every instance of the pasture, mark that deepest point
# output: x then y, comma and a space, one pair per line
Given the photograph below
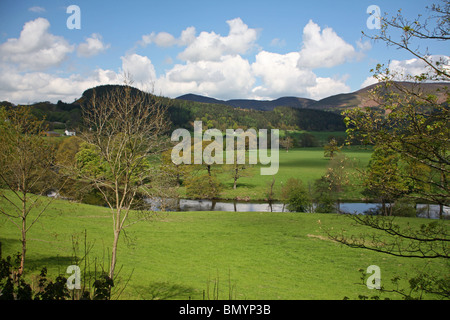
209, 255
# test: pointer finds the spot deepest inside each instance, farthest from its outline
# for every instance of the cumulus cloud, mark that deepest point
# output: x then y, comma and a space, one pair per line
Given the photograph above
280, 74
325, 87
165, 39
323, 49
230, 76
415, 66
403, 70
92, 46
140, 68
36, 48
40, 86
211, 46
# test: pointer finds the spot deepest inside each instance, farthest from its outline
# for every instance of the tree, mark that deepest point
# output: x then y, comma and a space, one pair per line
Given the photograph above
410, 120
337, 177
125, 131
287, 142
414, 123
331, 149
26, 161
382, 180
202, 186
296, 196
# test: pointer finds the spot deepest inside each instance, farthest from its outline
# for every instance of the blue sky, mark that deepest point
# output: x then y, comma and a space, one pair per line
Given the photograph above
222, 49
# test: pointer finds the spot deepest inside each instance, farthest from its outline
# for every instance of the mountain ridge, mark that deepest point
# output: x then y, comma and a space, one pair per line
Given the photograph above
334, 103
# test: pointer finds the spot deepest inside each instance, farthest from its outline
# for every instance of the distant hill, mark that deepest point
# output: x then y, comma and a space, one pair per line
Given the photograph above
361, 98
335, 103
264, 105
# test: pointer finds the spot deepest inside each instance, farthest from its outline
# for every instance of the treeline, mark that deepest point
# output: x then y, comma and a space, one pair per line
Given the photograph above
222, 117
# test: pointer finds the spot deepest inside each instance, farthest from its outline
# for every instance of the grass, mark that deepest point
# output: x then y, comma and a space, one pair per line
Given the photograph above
182, 255
307, 164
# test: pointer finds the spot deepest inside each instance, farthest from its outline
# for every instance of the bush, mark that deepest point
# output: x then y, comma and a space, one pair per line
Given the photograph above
295, 195
202, 186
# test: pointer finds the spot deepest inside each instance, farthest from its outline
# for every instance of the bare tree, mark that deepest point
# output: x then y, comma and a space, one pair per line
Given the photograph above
125, 128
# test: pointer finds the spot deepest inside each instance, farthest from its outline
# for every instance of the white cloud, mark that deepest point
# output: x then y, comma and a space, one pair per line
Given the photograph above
323, 49
37, 9
369, 81
403, 70
140, 68
280, 74
276, 42
231, 76
165, 39
92, 46
207, 45
415, 66
282, 77
211, 46
36, 48
40, 86
326, 87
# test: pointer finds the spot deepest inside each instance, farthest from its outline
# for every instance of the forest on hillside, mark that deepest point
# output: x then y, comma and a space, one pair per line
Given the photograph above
183, 113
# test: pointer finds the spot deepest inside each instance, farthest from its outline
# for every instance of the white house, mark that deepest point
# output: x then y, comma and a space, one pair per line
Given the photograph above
70, 133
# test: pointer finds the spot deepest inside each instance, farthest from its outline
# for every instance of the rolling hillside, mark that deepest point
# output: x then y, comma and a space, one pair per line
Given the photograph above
335, 103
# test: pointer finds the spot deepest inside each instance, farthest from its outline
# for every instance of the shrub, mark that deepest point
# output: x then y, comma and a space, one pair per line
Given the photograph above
295, 195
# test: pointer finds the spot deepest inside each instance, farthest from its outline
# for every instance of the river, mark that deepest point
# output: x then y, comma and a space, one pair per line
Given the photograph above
423, 210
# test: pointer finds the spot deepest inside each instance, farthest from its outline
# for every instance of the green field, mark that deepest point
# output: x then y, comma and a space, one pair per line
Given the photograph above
182, 255
307, 164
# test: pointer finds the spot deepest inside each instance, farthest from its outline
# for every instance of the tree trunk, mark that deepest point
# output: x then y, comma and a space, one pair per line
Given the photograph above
23, 233
114, 253
24, 246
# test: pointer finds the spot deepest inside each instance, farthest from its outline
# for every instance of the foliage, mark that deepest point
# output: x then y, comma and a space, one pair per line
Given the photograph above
14, 287
408, 120
424, 282
331, 149
324, 199
202, 186
296, 196
26, 163
126, 128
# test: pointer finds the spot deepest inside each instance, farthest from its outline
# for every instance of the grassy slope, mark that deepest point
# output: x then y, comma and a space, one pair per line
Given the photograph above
264, 255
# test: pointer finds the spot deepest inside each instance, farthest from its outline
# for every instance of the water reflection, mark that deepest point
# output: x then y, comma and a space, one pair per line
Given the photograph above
423, 210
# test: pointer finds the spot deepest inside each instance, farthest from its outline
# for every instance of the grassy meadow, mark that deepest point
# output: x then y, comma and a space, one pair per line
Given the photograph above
307, 164
201, 255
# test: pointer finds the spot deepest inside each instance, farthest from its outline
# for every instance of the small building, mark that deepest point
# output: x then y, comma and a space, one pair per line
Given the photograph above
70, 133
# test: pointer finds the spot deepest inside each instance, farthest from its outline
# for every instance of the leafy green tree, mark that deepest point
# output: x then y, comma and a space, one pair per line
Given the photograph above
410, 120
324, 199
202, 186
330, 149
337, 177
382, 180
414, 123
287, 142
26, 162
296, 196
